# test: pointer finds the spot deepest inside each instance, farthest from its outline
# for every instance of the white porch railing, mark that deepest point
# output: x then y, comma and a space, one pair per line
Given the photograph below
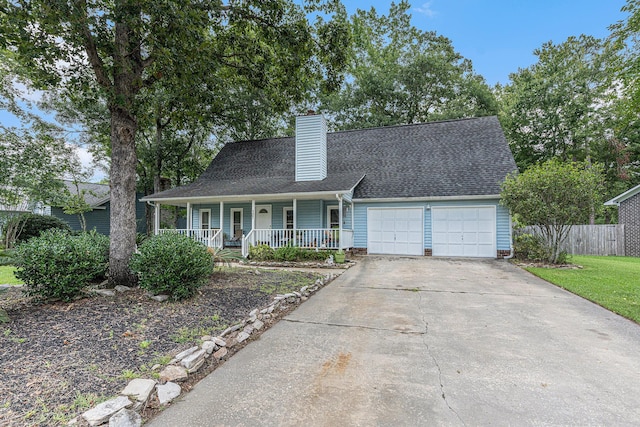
209, 237
308, 238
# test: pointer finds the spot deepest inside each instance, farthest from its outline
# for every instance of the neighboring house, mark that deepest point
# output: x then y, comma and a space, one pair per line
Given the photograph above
97, 196
629, 214
423, 189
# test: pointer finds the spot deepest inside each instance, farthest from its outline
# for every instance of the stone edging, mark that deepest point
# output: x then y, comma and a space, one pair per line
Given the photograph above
286, 264
124, 410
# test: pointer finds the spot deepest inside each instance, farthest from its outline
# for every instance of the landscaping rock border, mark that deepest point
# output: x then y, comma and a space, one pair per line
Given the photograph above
294, 264
125, 409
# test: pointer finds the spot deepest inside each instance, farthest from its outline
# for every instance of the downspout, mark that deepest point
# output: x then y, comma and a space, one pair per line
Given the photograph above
511, 251
339, 197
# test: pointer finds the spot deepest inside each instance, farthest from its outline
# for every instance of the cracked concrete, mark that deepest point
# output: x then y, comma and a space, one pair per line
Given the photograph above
476, 342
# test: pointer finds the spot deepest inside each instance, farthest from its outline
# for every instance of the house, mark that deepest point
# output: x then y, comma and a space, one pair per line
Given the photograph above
629, 214
422, 189
98, 198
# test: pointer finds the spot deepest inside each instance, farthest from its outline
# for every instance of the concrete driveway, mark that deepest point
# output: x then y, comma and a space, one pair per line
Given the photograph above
424, 342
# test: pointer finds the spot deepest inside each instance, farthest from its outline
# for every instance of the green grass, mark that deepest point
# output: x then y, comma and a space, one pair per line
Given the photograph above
612, 282
7, 277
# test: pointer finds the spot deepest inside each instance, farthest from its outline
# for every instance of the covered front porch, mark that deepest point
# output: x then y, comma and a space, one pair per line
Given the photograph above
318, 221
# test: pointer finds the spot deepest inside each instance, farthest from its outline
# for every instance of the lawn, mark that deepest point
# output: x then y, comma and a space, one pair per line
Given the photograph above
7, 277
612, 282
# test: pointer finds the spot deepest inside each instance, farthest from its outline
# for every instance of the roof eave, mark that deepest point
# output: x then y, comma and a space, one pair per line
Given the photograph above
428, 198
622, 197
244, 197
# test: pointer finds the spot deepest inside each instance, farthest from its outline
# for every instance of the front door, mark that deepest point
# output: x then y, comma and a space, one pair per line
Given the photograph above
205, 222
263, 217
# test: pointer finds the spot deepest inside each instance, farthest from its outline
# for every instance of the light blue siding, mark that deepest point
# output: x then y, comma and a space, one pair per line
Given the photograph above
277, 209
503, 228
503, 235
99, 219
309, 213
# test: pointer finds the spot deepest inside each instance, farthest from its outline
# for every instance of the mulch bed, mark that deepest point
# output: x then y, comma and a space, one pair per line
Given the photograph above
59, 359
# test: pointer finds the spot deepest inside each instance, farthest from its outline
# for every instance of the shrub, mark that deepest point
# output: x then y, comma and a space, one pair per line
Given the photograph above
58, 265
287, 253
261, 253
224, 256
32, 225
312, 255
6, 257
530, 247
173, 264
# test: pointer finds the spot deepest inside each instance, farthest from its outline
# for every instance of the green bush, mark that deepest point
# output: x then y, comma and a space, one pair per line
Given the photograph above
261, 253
287, 253
172, 264
6, 257
32, 225
530, 247
58, 265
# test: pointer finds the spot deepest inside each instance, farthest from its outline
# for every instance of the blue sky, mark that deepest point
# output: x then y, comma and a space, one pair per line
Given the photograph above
499, 36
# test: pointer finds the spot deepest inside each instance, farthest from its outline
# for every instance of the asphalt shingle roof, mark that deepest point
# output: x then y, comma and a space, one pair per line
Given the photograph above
466, 157
95, 194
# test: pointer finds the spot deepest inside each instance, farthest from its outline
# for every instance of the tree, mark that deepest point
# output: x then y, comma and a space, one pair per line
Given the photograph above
558, 106
31, 163
126, 49
401, 75
625, 40
553, 196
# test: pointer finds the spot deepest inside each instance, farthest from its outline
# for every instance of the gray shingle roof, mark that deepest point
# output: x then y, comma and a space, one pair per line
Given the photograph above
95, 194
467, 157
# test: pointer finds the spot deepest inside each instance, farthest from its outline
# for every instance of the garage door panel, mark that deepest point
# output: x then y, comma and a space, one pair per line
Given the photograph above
464, 231
485, 238
401, 231
470, 238
402, 225
455, 226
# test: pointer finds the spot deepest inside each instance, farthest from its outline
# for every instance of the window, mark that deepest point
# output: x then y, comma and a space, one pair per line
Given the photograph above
288, 218
236, 223
205, 222
333, 217
205, 219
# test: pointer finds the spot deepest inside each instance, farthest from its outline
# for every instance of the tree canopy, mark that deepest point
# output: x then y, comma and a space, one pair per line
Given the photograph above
120, 52
553, 196
399, 74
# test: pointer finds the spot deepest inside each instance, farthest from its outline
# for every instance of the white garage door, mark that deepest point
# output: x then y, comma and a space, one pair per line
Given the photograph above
465, 232
397, 231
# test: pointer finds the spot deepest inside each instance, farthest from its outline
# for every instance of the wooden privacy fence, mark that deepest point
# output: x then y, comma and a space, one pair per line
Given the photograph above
592, 239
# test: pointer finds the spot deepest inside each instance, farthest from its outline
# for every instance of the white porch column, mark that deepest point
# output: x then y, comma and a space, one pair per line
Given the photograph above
295, 215
340, 219
353, 217
156, 218
253, 215
189, 217
222, 216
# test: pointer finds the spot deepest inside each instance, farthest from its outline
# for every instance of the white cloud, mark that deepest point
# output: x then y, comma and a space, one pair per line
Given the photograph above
426, 9
27, 93
86, 161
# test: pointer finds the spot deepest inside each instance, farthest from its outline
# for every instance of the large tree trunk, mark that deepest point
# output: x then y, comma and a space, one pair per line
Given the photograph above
123, 197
